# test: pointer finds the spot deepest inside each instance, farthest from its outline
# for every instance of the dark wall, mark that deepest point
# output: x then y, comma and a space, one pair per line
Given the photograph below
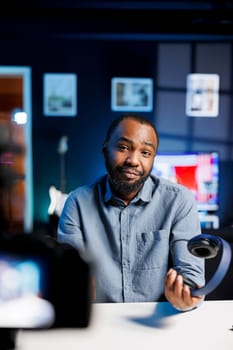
96, 60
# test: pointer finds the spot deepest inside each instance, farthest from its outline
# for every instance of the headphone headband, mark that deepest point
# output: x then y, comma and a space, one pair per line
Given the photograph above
207, 246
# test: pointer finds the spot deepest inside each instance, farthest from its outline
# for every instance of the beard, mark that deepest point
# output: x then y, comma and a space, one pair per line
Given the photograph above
122, 186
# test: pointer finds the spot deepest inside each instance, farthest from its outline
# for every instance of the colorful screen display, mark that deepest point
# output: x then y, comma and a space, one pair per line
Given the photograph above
197, 171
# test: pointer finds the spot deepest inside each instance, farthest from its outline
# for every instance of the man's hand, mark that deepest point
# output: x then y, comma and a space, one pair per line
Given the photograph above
178, 293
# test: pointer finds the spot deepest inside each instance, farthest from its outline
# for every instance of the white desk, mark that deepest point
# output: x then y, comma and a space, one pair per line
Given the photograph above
142, 326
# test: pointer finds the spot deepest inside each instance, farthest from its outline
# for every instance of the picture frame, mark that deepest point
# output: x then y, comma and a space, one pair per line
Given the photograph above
131, 94
60, 94
202, 95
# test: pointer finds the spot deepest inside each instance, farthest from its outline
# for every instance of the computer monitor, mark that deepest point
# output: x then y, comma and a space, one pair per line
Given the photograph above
199, 171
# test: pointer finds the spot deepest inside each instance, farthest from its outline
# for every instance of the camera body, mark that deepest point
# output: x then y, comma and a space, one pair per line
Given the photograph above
52, 274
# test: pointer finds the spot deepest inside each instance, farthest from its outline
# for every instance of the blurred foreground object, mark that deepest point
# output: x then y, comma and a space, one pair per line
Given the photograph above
43, 284
44, 269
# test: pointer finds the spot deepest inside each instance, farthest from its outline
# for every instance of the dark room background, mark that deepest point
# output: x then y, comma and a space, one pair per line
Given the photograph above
96, 56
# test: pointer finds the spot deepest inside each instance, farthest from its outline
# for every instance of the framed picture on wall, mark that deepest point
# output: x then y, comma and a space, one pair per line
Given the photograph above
60, 94
132, 94
202, 97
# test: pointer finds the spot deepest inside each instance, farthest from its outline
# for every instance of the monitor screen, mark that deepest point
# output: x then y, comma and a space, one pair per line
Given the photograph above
198, 171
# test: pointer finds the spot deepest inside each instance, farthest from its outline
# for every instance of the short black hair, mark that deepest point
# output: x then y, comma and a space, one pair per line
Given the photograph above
136, 117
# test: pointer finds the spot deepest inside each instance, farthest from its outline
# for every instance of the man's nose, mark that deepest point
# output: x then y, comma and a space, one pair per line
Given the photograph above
132, 159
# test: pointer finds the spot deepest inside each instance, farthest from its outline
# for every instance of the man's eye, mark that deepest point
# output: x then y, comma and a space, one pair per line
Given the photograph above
122, 147
146, 153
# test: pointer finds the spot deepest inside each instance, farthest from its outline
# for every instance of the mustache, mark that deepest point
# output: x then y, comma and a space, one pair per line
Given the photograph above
131, 168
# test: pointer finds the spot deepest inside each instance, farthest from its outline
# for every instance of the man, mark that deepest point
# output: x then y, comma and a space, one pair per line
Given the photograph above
130, 223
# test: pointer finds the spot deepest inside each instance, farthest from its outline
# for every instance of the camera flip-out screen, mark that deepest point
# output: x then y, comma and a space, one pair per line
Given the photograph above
23, 292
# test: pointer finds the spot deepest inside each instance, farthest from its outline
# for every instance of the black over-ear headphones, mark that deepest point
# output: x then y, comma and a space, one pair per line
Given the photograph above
207, 246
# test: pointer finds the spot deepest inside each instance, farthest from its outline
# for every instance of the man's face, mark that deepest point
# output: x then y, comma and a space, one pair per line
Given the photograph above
129, 156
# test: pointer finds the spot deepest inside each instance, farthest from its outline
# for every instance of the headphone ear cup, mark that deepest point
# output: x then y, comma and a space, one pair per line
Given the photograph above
203, 247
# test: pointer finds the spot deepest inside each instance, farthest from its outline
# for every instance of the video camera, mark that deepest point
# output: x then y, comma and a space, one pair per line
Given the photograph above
43, 284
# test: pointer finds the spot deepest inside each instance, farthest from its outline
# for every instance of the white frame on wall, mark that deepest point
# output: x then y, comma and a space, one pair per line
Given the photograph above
202, 97
132, 94
60, 94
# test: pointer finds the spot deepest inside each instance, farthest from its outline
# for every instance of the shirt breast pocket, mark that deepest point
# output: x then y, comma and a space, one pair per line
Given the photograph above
152, 249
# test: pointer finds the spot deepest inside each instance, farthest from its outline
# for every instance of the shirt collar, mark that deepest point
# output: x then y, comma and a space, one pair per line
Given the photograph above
144, 195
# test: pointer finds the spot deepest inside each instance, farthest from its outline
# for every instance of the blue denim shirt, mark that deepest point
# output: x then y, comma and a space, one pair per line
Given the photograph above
130, 245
